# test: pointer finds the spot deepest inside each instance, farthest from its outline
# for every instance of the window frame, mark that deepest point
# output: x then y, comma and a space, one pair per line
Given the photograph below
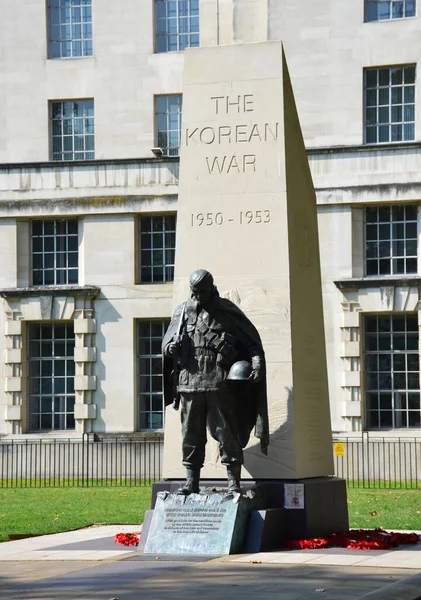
396, 229
392, 89
391, 3
44, 360
166, 149
392, 391
84, 22
89, 116
141, 250
42, 253
142, 394
189, 33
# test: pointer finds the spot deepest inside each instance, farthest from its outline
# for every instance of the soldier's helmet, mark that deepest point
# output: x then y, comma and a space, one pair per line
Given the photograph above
201, 279
240, 371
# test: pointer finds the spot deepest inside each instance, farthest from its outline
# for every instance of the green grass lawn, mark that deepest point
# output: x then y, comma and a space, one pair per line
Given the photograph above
50, 510
391, 509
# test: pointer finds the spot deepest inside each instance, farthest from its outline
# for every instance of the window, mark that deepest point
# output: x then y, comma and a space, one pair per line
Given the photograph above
380, 10
69, 28
157, 248
51, 376
176, 24
168, 123
389, 104
391, 239
149, 371
72, 130
54, 252
391, 358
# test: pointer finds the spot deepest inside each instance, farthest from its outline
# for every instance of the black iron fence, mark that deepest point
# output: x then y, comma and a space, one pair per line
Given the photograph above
79, 462
370, 462
364, 461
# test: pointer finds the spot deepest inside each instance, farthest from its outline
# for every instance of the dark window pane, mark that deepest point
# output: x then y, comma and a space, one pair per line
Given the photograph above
146, 275
409, 72
411, 265
372, 401
384, 382
372, 419
384, 249
413, 362
372, 267
371, 324
371, 342
399, 362
409, 94
412, 323
412, 341
414, 419
385, 401
371, 232
413, 381
384, 267
385, 362
399, 381
386, 418
371, 135
46, 421
414, 400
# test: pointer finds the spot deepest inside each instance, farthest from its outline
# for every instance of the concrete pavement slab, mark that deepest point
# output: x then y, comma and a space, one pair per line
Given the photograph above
86, 564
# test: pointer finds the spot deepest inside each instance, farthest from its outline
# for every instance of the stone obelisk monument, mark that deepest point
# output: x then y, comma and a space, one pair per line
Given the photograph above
247, 213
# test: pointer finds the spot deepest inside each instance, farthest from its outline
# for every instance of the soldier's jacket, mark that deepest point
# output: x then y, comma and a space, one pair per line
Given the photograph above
211, 343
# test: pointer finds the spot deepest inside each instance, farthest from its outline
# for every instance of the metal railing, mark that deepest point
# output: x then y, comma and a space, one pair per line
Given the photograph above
79, 463
364, 461
379, 462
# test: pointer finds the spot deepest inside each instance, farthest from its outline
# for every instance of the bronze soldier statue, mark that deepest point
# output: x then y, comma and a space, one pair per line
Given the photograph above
209, 347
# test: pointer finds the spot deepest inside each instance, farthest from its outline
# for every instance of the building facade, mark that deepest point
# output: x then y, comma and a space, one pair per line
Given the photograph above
90, 121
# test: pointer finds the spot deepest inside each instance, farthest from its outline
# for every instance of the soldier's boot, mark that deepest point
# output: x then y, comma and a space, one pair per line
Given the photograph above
233, 474
192, 482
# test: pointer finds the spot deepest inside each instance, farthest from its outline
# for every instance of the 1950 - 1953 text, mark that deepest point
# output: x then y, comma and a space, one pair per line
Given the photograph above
246, 217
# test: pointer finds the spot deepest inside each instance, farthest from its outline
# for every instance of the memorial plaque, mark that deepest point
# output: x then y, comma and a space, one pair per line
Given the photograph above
198, 524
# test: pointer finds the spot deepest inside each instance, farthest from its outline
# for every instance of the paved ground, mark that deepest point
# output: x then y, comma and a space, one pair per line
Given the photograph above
86, 564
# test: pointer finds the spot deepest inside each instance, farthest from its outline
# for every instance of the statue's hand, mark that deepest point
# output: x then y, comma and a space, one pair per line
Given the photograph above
172, 349
256, 376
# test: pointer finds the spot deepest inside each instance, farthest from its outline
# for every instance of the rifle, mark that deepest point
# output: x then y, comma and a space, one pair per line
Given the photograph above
176, 366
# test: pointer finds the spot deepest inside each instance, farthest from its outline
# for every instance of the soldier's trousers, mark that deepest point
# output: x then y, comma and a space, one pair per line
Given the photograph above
216, 410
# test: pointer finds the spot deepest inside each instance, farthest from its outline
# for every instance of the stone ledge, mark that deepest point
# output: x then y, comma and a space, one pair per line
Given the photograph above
84, 291
370, 282
96, 162
391, 147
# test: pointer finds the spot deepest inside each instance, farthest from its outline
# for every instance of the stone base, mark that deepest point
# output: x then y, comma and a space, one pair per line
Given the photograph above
324, 508
263, 530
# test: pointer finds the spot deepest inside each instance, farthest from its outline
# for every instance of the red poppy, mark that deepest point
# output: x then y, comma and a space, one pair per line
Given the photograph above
356, 539
127, 539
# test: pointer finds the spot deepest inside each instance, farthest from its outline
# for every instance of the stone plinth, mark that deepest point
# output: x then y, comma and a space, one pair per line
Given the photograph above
321, 509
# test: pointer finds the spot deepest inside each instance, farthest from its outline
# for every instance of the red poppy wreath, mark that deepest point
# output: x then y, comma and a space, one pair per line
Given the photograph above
356, 539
